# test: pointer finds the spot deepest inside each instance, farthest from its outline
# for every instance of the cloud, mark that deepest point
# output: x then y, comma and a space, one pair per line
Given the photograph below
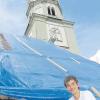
12, 18
96, 57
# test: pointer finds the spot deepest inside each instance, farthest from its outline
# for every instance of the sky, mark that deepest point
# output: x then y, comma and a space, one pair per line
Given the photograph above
85, 14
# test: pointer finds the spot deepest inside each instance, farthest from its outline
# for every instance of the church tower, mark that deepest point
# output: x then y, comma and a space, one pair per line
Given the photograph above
46, 22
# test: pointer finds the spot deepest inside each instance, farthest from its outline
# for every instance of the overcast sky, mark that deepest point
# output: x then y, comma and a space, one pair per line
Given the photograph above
85, 14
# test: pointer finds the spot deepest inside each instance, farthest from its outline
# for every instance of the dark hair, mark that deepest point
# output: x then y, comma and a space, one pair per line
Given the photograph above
68, 78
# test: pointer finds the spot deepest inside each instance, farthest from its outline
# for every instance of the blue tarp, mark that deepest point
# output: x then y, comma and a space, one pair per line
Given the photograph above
34, 69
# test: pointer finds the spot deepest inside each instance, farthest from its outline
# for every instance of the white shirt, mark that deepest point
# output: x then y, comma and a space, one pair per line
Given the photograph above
85, 95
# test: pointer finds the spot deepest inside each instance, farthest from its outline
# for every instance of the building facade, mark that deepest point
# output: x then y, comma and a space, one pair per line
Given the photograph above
46, 22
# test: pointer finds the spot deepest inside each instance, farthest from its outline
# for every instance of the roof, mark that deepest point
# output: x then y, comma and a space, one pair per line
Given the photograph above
36, 69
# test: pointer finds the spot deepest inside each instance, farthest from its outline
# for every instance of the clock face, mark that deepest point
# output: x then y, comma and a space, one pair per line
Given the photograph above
55, 35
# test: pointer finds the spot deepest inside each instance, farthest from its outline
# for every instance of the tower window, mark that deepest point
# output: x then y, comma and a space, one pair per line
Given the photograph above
53, 11
49, 12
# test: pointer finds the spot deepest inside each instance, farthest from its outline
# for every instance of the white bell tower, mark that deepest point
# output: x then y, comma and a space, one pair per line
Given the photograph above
45, 22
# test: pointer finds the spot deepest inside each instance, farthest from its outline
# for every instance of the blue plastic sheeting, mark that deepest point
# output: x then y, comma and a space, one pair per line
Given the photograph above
35, 70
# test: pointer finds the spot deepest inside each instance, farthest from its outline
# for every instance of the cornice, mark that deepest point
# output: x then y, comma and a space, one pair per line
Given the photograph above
49, 18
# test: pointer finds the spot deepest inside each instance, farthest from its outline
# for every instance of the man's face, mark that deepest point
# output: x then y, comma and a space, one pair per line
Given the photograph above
72, 86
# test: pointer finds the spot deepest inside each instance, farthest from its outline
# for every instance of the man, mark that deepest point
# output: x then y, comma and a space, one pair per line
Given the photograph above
71, 83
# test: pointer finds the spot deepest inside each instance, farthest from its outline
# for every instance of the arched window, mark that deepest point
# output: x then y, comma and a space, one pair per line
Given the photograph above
53, 11
49, 12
